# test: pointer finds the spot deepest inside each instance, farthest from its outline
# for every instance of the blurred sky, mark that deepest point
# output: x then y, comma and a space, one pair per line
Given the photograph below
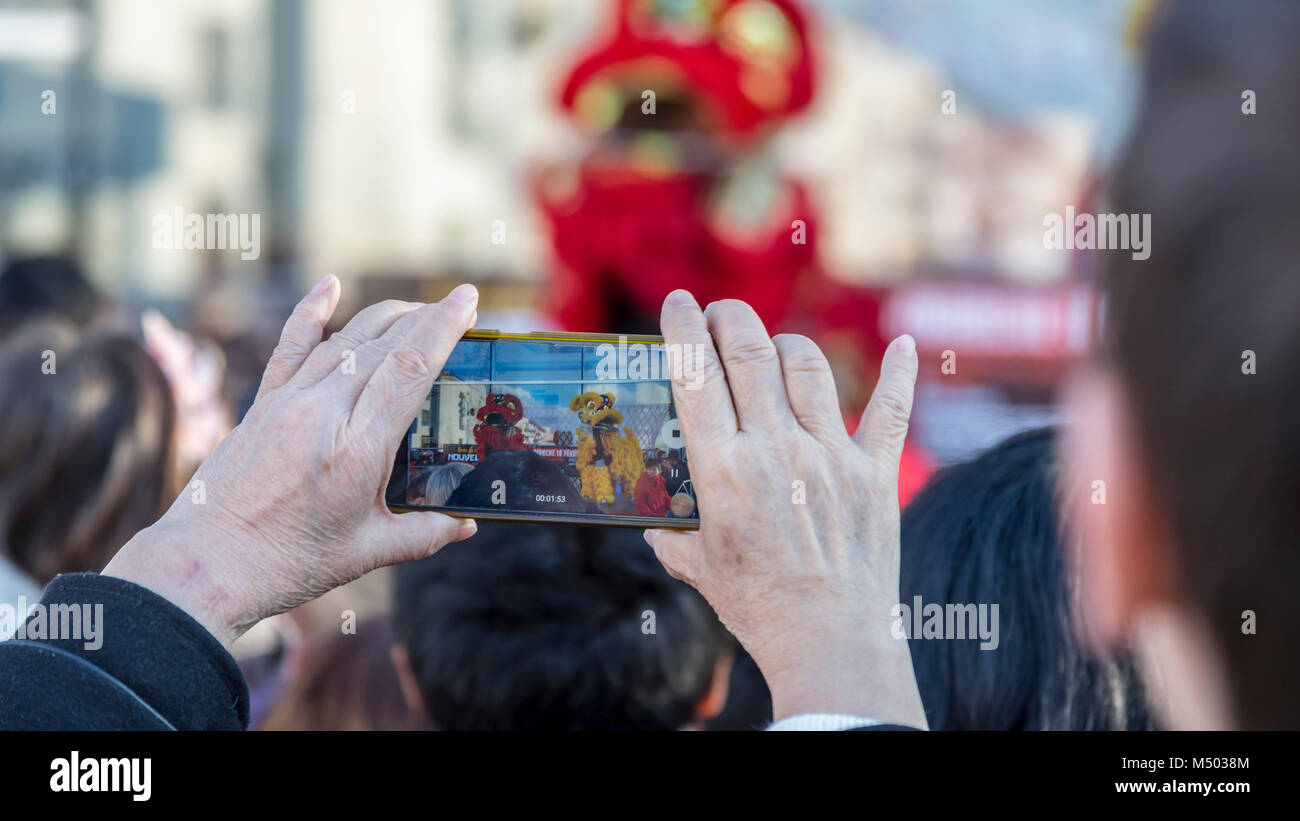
1018, 56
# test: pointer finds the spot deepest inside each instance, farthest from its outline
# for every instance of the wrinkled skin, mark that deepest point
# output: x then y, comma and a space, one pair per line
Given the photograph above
798, 546
291, 503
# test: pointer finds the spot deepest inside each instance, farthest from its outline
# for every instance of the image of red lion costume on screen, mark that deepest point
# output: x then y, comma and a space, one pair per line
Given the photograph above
605, 456
496, 429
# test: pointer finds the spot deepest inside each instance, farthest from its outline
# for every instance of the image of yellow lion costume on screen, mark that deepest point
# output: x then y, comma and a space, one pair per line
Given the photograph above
604, 455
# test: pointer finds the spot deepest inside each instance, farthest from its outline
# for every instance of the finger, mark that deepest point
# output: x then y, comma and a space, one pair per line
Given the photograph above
700, 391
301, 334
406, 536
392, 396
370, 323
884, 422
349, 379
752, 365
810, 386
676, 551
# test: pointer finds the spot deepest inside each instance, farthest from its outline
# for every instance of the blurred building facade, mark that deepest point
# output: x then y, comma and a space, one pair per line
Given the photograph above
391, 143
397, 136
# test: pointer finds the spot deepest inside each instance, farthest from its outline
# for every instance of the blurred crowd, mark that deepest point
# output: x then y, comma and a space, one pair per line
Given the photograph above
523, 626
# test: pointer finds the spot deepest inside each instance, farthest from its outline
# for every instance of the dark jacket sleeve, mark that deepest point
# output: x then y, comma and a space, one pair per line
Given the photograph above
147, 665
875, 728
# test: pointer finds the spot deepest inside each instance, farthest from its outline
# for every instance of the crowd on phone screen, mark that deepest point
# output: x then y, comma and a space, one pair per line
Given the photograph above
551, 627
662, 490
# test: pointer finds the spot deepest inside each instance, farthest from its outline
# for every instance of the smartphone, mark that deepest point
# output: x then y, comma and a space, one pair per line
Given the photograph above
545, 427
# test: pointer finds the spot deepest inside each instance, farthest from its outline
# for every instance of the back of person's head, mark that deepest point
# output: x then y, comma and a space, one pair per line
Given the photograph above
1204, 336
46, 287
443, 480
550, 627
524, 477
348, 682
986, 532
749, 701
86, 424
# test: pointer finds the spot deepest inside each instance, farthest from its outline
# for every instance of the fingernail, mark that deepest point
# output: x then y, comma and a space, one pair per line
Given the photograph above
468, 528
681, 296
649, 537
323, 285
906, 344
465, 293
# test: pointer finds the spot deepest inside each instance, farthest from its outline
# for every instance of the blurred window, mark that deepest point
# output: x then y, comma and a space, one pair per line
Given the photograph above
216, 67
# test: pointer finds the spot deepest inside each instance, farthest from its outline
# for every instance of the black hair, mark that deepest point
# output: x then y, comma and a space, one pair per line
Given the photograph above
749, 702
526, 476
545, 627
46, 287
987, 532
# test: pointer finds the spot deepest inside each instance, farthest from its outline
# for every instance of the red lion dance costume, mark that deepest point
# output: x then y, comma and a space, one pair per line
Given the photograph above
680, 97
496, 429
666, 198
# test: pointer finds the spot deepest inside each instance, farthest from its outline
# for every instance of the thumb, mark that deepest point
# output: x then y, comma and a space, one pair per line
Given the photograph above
883, 427
407, 536
677, 551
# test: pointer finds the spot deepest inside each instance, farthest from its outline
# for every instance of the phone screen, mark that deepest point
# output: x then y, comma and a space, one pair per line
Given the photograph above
567, 430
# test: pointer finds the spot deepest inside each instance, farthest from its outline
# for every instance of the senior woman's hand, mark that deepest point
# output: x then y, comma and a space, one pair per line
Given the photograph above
798, 546
291, 503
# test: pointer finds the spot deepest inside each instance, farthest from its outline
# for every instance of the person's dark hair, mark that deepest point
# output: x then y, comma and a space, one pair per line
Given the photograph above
543, 627
526, 476
986, 532
347, 683
46, 287
749, 702
86, 424
1221, 290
